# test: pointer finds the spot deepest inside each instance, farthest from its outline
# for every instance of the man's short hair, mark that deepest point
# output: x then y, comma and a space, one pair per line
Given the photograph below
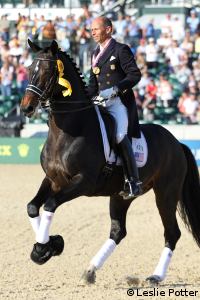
107, 22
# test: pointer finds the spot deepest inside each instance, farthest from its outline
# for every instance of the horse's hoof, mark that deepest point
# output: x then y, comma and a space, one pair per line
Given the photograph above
57, 244
41, 253
89, 275
154, 279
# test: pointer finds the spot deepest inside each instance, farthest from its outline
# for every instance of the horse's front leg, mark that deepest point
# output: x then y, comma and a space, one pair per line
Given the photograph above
48, 246
118, 211
34, 205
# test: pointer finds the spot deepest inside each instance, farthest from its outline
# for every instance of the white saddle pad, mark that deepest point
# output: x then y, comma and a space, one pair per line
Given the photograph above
139, 146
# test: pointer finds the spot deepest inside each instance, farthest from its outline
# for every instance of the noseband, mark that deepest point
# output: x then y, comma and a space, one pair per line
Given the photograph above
43, 95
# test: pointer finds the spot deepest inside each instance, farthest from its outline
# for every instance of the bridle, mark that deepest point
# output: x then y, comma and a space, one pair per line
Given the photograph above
43, 95
45, 98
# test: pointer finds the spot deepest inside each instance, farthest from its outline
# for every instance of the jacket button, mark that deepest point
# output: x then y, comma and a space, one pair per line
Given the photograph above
108, 82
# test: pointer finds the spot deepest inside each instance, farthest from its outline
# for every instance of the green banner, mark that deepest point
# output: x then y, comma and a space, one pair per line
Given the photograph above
20, 150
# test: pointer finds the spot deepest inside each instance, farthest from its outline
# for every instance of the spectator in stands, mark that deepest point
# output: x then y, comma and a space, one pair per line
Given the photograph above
133, 32
175, 54
21, 78
149, 103
4, 25
177, 31
164, 91
141, 49
48, 33
140, 59
181, 100
164, 42
95, 7
144, 81
183, 73
151, 90
192, 22
166, 25
83, 39
151, 54
4, 51
196, 71
26, 59
197, 44
187, 43
188, 47
120, 27
189, 108
139, 103
22, 28
6, 77
192, 82
16, 50
149, 30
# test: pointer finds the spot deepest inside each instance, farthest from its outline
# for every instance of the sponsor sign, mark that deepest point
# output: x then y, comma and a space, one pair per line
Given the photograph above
20, 150
194, 146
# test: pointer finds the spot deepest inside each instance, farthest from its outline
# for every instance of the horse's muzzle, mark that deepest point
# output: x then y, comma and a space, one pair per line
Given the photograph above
28, 110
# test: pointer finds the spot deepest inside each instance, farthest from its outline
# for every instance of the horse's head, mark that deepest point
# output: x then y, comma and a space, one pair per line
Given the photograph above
43, 75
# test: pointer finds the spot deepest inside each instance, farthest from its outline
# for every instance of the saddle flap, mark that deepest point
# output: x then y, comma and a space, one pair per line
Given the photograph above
108, 129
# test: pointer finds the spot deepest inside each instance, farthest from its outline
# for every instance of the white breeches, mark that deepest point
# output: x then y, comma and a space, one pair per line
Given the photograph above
119, 111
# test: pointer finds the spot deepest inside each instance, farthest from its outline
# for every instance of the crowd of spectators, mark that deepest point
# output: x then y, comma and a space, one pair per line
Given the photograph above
168, 57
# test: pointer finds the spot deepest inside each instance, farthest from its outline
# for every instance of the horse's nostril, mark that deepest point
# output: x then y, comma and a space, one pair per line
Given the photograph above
28, 109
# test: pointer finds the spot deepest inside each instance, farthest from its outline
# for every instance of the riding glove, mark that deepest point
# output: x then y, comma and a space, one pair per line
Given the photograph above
109, 93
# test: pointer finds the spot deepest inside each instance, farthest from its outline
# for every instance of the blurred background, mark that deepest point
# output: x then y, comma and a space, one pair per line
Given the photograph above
164, 36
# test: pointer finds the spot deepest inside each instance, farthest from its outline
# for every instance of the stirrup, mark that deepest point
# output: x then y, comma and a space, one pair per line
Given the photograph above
131, 190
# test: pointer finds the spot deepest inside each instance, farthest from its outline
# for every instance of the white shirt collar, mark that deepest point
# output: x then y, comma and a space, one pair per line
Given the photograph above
102, 47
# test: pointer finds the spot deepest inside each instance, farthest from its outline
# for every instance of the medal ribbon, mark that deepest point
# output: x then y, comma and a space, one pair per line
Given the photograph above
96, 59
62, 81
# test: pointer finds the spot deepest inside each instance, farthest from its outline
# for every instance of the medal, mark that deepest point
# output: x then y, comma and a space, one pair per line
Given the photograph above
96, 70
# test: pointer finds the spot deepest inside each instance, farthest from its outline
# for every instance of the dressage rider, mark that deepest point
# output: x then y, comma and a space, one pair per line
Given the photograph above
113, 75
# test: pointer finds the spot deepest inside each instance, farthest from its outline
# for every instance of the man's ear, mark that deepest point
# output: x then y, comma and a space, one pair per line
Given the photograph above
54, 47
33, 46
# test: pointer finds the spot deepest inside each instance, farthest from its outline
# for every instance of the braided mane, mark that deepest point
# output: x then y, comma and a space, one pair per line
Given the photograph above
80, 83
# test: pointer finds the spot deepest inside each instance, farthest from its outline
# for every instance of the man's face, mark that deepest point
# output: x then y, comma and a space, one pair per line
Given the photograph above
100, 32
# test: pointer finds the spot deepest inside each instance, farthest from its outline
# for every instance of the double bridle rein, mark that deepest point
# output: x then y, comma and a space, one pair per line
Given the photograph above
46, 97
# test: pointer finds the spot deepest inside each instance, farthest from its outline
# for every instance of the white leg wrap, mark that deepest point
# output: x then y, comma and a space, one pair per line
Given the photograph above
42, 235
105, 251
163, 263
35, 223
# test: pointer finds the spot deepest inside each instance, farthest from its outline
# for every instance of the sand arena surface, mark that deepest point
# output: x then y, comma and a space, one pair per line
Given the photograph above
84, 224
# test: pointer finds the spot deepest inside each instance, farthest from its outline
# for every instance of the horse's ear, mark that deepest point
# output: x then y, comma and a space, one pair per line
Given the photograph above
54, 47
33, 46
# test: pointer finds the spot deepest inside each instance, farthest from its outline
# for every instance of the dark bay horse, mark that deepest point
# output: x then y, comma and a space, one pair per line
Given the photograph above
74, 163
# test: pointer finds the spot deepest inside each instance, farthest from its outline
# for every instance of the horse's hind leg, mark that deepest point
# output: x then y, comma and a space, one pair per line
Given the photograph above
118, 211
166, 201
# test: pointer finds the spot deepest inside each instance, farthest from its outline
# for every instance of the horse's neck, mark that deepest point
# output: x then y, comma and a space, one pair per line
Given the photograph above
74, 124
64, 123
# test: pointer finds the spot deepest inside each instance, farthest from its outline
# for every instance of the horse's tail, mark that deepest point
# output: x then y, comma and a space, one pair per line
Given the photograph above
189, 204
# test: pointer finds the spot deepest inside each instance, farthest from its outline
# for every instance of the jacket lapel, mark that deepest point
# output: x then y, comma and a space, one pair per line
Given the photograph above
106, 55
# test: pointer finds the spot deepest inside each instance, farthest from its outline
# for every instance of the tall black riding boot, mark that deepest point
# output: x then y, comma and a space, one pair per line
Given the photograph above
132, 185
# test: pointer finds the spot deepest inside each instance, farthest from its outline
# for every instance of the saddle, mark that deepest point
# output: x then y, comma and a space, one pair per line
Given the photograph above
108, 132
